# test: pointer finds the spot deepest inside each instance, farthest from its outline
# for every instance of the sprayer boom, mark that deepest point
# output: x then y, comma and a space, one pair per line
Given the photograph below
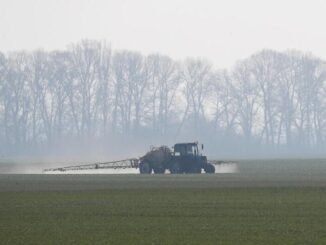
121, 164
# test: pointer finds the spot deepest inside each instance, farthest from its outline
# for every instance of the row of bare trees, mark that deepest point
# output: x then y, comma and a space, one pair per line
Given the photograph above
89, 93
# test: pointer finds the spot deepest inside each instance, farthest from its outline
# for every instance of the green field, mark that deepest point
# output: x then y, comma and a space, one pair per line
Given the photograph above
267, 202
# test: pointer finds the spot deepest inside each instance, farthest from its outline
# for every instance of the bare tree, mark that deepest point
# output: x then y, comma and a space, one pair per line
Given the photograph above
164, 82
85, 59
130, 81
57, 75
310, 83
16, 102
224, 106
89, 93
266, 69
196, 77
246, 94
3, 85
104, 90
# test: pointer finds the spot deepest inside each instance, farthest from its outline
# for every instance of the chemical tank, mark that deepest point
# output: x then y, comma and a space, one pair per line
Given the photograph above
155, 160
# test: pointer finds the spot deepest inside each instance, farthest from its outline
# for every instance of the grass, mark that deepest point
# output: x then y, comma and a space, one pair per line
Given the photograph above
165, 216
284, 204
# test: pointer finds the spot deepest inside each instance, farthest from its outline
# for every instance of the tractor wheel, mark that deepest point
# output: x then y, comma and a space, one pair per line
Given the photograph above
210, 169
175, 168
195, 170
145, 168
159, 170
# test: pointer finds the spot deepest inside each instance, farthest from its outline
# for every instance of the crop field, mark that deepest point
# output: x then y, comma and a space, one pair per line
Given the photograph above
265, 202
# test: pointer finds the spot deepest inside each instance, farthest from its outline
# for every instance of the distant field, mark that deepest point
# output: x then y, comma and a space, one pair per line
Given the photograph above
266, 202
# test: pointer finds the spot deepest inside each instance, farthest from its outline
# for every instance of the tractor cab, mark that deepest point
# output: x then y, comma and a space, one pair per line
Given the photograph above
187, 158
187, 149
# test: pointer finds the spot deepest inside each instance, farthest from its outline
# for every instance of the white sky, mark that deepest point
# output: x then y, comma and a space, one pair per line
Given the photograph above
222, 31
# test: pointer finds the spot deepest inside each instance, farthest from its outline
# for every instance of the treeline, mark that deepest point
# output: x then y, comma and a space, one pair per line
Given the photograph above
91, 95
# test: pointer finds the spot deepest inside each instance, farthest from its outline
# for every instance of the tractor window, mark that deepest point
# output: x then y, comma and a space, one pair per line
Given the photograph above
179, 150
186, 149
190, 150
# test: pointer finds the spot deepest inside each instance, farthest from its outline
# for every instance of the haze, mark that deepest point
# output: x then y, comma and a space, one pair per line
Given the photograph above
221, 31
104, 80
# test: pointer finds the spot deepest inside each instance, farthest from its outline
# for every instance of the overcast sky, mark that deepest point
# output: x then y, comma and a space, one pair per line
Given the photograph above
222, 30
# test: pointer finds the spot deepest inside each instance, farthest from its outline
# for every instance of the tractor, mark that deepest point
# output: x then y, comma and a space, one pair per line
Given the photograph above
184, 158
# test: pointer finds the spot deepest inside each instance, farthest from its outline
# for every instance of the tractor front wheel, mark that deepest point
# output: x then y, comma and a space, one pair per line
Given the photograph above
209, 169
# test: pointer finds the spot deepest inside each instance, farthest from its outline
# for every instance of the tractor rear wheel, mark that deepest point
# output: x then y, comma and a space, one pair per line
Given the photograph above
159, 170
145, 168
195, 170
175, 168
209, 169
